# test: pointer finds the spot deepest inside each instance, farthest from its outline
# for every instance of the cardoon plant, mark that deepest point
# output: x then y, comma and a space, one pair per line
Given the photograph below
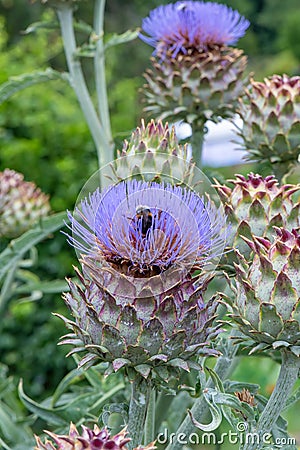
148, 237
196, 75
146, 249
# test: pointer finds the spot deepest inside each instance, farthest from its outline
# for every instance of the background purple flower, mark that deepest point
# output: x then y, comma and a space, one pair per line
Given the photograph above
197, 25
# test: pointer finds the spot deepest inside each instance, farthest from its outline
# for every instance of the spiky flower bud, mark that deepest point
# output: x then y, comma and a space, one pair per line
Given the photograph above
267, 292
140, 305
195, 75
22, 204
89, 439
151, 154
271, 114
255, 204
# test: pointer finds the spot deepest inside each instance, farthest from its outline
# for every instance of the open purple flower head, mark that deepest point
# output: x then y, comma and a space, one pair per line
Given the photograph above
178, 27
143, 229
146, 251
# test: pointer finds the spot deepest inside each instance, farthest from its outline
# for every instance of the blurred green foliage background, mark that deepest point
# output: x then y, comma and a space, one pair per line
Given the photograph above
43, 135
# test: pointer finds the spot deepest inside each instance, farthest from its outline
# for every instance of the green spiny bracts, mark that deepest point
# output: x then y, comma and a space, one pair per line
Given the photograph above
89, 439
153, 334
153, 154
271, 114
153, 137
196, 86
266, 298
22, 204
254, 205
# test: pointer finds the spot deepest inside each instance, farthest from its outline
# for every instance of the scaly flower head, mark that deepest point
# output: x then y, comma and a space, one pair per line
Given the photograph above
89, 439
22, 204
267, 292
255, 205
271, 114
192, 25
196, 76
145, 248
151, 153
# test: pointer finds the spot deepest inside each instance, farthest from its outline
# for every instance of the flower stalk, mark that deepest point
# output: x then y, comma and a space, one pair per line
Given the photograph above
150, 418
104, 148
196, 141
140, 395
100, 77
287, 377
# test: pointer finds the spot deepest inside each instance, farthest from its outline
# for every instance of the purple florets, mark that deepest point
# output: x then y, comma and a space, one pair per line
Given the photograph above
178, 27
147, 228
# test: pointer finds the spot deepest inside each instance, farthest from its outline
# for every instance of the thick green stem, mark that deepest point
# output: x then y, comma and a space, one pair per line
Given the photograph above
100, 77
287, 377
196, 141
140, 394
104, 151
200, 408
150, 419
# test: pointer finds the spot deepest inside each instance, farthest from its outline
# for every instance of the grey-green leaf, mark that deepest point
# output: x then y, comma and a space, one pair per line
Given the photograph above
117, 39
20, 82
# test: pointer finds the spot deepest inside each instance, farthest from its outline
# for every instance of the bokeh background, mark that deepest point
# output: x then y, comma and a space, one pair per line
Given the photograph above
43, 135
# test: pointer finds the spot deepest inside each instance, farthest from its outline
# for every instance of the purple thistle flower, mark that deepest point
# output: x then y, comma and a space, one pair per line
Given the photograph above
178, 27
144, 229
140, 302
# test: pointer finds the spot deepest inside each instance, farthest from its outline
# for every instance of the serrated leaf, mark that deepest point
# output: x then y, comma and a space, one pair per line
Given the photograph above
18, 83
18, 247
117, 39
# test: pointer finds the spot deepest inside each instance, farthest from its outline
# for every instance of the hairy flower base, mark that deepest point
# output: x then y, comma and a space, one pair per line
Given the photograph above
196, 86
266, 303
198, 25
152, 335
95, 439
